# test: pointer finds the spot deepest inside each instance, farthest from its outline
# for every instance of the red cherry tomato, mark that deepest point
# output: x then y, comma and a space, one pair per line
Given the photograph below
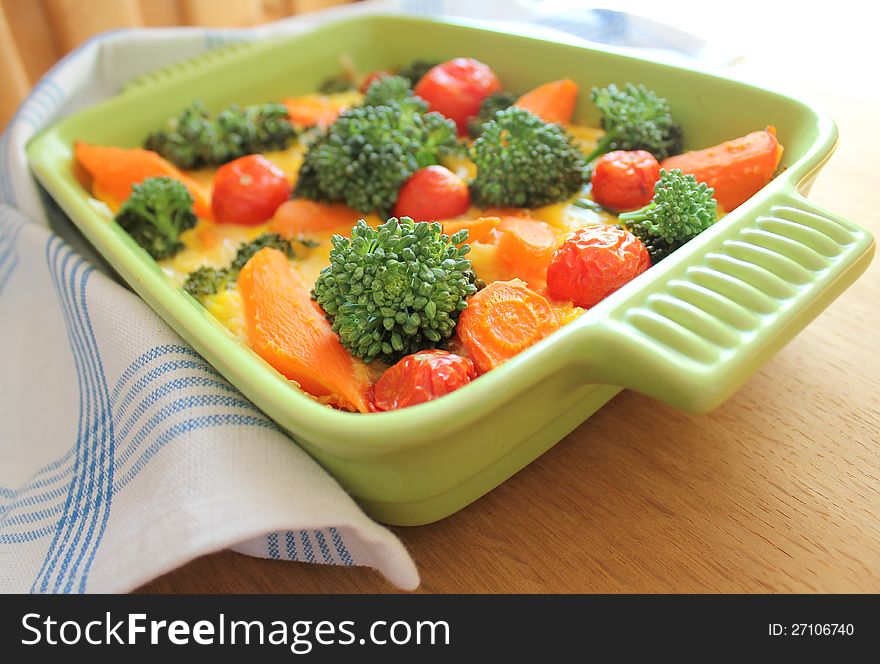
420, 377
433, 193
624, 180
593, 262
248, 190
456, 88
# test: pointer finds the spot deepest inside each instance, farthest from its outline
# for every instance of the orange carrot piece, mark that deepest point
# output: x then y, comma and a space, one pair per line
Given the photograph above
312, 110
526, 245
301, 215
477, 228
552, 102
288, 330
117, 170
736, 169
503, 319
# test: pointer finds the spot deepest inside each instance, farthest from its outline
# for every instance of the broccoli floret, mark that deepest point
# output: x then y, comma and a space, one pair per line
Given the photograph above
206, 281
635, 118
415, 70
195, 139
246, 250
386, 89
523, 161
156, 213
497, 101
397, 289
339, 83
681, 209
210, 280
369, 152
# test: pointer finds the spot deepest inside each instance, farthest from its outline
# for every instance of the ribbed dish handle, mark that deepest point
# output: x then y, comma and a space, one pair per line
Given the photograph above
694, 339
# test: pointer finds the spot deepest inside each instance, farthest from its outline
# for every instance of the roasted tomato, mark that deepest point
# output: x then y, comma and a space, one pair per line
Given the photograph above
433, 193
420, 377
624, 180
593, 262
248, 190
457, 88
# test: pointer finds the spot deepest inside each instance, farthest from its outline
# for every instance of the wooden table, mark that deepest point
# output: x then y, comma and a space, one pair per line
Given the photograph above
778, 490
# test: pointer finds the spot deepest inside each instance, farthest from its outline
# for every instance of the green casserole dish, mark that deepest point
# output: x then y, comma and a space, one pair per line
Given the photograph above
688, 332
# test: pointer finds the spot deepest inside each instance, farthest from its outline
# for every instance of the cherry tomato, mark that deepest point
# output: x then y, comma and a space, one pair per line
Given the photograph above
420, 377
248, 190
456, 88
593, 262
624, 180
433, 193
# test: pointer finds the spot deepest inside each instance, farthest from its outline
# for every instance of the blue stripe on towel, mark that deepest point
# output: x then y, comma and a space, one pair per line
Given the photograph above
344, 555
307, 546
272, 546
143, 360
290, 543
55, 249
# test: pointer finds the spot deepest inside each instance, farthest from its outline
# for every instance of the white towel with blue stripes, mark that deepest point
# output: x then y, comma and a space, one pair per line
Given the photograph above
123, 454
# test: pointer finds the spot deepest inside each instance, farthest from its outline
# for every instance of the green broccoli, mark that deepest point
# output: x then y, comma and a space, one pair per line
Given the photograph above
635, 118
523, 161
339, 83
246, 250
681, 209
415, 70
156, 213
397, 289
210, 280
195, 139
206, 281
369, 152
497, 101
389, 88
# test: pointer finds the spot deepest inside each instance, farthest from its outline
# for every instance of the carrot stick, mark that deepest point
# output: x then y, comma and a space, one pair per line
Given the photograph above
301, 215
288, 330
477, 228
552, 102
117, 170
736, 169
311, 110
526, 245
503, 319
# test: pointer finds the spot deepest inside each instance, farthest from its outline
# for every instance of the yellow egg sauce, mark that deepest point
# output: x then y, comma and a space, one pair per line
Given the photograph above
215, 244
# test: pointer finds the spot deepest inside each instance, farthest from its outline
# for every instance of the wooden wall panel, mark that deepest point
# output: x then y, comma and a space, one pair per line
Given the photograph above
35, 33
160, 12
13, 76
229, 13
74, 21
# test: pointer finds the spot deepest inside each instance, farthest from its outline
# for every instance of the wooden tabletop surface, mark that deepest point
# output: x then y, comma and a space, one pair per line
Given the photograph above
778, 490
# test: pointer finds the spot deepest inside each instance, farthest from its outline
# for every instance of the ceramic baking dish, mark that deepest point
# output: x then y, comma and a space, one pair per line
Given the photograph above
687, 332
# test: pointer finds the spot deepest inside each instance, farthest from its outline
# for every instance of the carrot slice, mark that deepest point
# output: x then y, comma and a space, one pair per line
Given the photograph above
526, 245
312, 110
503, 319
736, 169
552, 102
117, 170
477, 228
288, 330
301, 215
